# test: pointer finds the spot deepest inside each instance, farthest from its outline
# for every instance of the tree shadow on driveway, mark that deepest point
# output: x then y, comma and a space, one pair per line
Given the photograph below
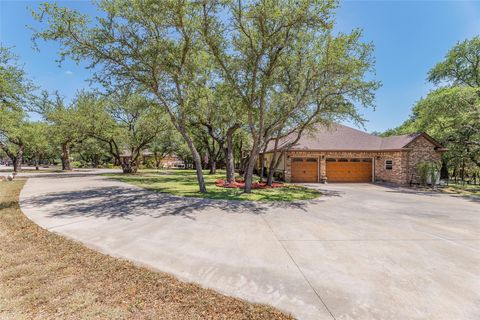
127, 202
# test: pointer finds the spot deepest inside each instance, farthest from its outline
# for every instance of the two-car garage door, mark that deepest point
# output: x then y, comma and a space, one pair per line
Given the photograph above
349, 170
337, 169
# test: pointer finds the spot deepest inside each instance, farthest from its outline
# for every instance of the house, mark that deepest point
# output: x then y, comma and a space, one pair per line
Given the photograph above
168, 161
342, 154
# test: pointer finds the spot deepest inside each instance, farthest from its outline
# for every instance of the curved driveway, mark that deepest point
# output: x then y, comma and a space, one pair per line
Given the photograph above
360, 251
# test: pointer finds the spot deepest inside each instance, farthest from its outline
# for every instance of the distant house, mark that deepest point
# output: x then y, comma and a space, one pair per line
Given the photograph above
343, 154
168, 162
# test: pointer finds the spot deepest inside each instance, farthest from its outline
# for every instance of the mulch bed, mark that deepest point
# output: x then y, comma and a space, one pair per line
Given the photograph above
241, 184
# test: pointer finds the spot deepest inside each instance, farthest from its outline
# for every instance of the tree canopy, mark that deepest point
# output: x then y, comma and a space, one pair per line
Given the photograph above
451, 112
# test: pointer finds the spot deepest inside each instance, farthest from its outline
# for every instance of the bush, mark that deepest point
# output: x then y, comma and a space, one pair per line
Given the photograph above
150, 164
428, 173
76, 164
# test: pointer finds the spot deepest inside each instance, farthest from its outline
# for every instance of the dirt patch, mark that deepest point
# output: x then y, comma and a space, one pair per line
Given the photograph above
46, 276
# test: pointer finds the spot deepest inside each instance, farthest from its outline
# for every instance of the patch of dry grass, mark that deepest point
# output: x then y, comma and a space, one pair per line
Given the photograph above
46, 276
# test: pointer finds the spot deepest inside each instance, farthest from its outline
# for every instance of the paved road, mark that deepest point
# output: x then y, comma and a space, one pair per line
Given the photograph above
359, 252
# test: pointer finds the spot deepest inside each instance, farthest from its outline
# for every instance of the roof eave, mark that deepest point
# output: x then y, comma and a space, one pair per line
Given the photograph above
340, 150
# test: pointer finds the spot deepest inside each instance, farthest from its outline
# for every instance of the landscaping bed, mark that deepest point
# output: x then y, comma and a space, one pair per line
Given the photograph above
184, 183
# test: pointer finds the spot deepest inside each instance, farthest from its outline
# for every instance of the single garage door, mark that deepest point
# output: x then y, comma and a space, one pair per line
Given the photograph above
349, 170
304, 169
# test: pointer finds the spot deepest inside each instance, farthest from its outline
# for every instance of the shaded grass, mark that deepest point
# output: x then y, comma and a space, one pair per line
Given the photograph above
46, 276
184, 183
467, 189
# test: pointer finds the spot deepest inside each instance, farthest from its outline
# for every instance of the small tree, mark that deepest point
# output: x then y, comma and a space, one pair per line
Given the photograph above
428, 173
127, 122
64, 124
38, 146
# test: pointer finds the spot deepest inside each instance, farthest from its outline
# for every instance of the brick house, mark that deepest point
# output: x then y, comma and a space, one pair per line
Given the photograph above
343, 154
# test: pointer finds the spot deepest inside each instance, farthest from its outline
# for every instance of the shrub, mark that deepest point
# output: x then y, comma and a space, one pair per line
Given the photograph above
76, 164
150, 164
428, 172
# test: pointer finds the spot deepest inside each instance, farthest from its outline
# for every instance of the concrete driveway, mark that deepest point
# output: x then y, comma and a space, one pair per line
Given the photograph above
360, 251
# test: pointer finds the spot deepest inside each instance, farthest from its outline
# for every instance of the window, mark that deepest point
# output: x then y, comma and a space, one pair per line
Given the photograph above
297, 159
388, 164
342, 160
331, 160
367, 160
354, 160
311, 159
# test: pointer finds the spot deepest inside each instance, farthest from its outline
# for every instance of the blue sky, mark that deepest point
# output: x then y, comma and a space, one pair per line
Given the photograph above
409, 38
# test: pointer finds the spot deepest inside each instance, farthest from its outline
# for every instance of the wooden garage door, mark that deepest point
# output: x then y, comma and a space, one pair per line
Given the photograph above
304, 170
349, 170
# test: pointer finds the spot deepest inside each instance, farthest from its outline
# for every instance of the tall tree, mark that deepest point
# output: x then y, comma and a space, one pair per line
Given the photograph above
15, 96
277, 58
151, 44
15, 88
13, 136
461, 66
451, 113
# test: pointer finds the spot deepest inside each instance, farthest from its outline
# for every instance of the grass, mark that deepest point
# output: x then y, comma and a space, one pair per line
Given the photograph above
184, 183
46, 276
467, 189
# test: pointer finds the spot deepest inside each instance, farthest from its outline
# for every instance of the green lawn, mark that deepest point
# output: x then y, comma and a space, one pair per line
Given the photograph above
184, 183
467, 189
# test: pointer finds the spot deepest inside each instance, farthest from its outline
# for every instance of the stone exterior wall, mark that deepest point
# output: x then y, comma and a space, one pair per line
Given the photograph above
421, 150
398, 173
404, 161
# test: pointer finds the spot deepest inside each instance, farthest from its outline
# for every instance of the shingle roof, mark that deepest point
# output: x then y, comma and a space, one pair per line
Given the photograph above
340, 137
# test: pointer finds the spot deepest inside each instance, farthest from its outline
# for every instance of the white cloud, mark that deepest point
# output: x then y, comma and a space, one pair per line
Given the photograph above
68, 73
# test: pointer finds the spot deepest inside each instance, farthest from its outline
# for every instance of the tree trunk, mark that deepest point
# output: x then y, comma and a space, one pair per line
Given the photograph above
444, 170
197, 160
157, 160
128, 165
271, 168
17, 160
229, 161
213, 166
249, 174
262, 167
252, 159
36, 164
95, 160
66, 166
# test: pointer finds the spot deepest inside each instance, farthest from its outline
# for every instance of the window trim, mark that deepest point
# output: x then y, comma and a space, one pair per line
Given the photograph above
389, 166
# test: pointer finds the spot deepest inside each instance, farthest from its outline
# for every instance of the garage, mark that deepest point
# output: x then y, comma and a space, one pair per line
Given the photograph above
349, 170
305, 169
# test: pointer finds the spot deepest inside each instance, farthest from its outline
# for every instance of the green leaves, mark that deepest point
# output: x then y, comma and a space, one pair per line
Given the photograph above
15, 87
461, 66
451, 114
